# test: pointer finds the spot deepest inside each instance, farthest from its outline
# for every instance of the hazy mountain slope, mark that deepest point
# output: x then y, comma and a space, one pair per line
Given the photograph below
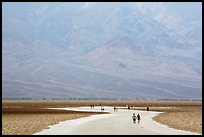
98, 50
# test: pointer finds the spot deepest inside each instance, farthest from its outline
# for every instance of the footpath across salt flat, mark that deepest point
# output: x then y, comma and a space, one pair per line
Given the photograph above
116, 123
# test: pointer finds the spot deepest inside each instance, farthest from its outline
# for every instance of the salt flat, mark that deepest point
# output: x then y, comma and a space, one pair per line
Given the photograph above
115, 123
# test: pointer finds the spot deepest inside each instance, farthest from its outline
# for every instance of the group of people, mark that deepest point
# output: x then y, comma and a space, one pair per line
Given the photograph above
134, 117
102, 107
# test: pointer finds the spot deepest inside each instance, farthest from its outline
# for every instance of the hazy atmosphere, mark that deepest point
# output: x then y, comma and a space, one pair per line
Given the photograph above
102, 50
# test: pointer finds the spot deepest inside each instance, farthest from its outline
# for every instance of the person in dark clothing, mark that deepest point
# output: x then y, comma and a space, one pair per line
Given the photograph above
128, 107
115, 109
147, 108
138, 117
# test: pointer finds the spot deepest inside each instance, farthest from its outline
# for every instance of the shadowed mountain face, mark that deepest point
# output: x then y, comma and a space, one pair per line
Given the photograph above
117, 50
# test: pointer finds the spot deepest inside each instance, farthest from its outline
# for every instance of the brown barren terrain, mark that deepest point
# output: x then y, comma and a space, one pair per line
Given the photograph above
183, 118
77, 103
28, 116
25, 121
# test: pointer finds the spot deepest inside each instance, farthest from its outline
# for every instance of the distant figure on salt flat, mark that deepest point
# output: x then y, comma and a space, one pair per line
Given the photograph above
115, 109
102, 108
128, 107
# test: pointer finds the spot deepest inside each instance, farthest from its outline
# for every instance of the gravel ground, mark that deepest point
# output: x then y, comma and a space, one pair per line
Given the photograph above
189, 121
25, 121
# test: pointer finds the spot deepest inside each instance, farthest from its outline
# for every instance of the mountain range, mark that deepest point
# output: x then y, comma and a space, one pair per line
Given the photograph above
116, 50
